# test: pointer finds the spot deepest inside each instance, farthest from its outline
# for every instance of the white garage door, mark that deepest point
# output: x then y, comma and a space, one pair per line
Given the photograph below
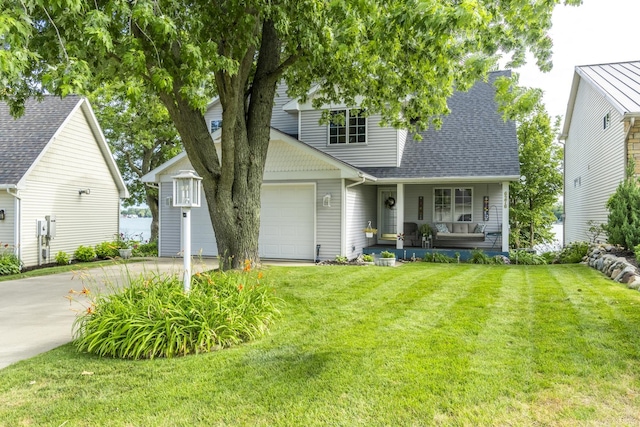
287, 222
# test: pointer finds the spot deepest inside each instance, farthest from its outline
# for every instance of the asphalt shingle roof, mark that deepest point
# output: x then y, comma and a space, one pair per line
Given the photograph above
23, 139
474, 141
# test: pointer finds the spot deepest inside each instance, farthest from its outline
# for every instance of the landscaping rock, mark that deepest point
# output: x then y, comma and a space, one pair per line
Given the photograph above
602, 258
635, 284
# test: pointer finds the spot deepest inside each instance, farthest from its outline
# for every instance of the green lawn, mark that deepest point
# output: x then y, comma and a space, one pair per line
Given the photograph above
423, 344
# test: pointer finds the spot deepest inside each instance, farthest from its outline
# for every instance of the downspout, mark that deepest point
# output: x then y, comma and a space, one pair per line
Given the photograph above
357, 183
16, 224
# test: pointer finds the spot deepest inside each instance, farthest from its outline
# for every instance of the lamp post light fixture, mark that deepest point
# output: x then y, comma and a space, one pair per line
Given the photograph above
186, 195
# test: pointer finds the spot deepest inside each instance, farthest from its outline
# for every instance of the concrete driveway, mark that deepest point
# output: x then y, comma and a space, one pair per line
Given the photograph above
36, 317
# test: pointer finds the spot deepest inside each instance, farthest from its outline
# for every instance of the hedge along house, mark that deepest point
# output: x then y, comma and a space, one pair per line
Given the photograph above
323, 184
59, 185
601, 133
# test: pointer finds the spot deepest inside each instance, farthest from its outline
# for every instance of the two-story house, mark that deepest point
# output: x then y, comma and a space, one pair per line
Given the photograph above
601, 133
324, 183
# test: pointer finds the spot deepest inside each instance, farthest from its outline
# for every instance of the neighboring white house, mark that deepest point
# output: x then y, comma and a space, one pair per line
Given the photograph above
324, 183
59, 185
601, 132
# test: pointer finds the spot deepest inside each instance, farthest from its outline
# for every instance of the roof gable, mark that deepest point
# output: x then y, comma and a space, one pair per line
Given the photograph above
287, 158
22, 140
618, 83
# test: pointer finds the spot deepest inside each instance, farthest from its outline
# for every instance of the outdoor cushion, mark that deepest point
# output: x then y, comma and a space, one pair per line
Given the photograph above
460, 228
479, 228
442, 228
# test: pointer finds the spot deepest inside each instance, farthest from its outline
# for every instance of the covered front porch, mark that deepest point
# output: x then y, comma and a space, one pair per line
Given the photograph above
400, 212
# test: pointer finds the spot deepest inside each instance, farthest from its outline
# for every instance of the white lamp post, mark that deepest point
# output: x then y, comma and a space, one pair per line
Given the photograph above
186, 195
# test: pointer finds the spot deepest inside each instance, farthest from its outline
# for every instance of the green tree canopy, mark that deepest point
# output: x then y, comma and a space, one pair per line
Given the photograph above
533, 197
403, 58
141, 136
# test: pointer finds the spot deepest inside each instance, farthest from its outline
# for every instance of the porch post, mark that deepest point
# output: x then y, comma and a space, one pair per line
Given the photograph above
505, 216
400, 217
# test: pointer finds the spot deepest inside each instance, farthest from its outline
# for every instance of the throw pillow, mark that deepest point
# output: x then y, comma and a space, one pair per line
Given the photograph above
479, 228
442, 228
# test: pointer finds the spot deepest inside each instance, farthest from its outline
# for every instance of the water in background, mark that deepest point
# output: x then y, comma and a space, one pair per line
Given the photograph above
136, 228
557, 243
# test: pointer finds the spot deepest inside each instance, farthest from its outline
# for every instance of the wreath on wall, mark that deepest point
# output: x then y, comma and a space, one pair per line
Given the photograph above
390, 202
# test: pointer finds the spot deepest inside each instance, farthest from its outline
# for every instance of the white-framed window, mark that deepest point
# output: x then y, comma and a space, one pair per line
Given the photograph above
215, 125
606, 121
453, 204
347, 127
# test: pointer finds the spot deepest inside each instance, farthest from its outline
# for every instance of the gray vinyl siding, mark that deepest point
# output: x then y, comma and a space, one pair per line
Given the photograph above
7, 227
203, 239
213, 113
170, 224
402, 141
594, 162
73, 161
282, 120
380, 150
328, 219
494, 191
361, 208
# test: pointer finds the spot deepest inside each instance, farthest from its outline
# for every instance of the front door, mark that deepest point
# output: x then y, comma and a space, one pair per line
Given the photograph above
388, 214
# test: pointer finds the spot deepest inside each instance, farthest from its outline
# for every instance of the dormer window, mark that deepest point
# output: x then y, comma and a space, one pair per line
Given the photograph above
347, 131
215, 125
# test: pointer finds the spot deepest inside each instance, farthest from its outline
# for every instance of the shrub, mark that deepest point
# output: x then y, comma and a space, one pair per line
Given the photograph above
439, 258
387, 254
106, 250
550, 257
479, 257
145, 249
367, 258
623, 222
573, 253
340, 259
62, 258
153, 317
9, 264
526, 258
85, 254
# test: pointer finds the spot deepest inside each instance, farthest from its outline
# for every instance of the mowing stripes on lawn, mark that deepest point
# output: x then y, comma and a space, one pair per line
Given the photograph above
423, 344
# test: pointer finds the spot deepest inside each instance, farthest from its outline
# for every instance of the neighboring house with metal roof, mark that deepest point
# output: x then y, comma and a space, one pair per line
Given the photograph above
601, 133
324, 183
59, 184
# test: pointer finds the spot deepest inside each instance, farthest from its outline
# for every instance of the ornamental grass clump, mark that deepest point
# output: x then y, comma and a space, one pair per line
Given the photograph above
153, 317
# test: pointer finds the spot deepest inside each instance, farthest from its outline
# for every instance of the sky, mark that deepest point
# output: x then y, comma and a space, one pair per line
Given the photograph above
598, 31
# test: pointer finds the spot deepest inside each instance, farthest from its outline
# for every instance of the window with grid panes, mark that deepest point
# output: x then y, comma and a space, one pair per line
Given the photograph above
453, 204
347, 127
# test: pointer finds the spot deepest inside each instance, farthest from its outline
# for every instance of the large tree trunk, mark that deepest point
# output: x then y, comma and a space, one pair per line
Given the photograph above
232, 182
152, 202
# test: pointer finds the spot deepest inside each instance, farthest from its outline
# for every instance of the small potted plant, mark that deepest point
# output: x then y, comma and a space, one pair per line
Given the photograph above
387, 259
425, 230
369, 231
367, 259
123, 246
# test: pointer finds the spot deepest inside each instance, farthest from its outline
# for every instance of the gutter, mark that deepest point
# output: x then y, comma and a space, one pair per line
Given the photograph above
449, 180
364, 179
